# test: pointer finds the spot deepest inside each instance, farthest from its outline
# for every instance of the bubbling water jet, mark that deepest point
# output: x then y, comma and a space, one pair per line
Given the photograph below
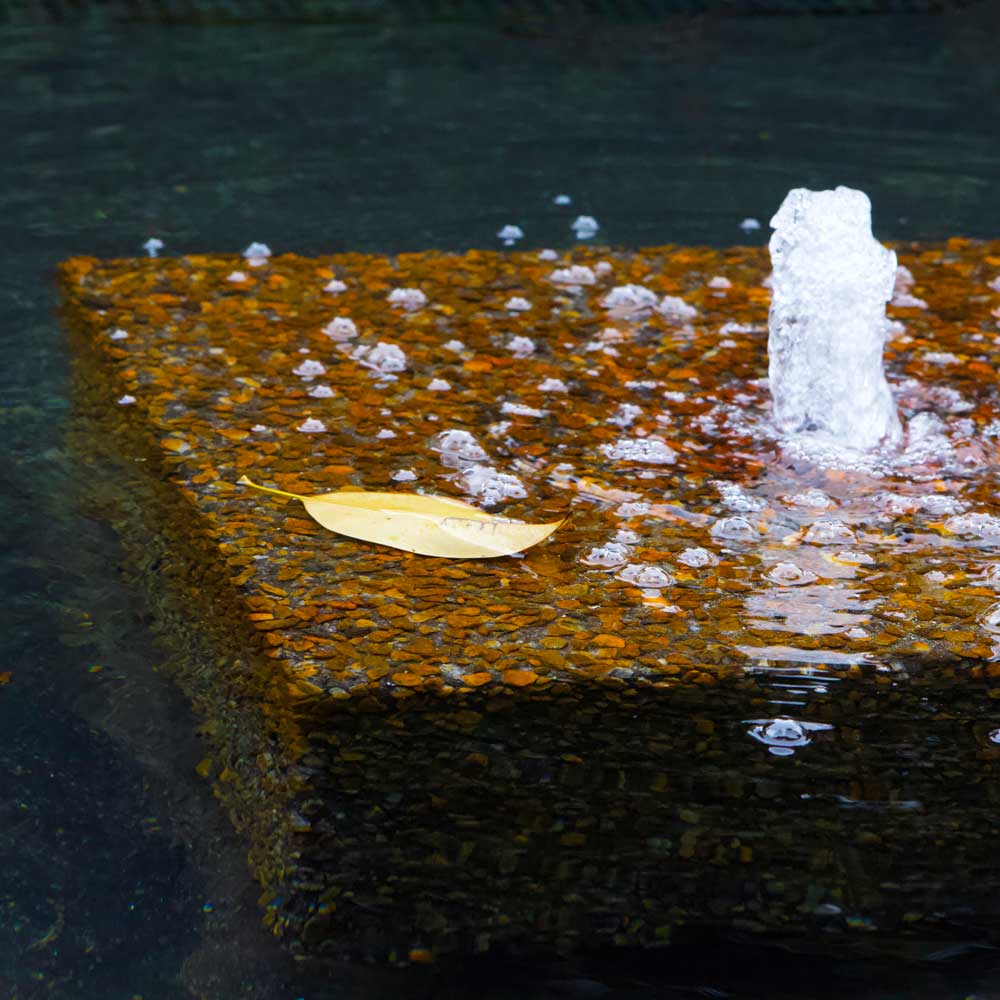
827, 325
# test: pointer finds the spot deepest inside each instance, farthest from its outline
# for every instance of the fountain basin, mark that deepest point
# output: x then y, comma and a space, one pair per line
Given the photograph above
573, 748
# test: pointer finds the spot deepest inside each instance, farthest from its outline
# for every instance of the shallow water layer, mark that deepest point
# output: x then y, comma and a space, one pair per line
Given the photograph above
417, 138
571, 694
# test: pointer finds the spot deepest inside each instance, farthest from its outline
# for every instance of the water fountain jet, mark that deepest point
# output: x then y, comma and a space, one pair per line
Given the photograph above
827, 325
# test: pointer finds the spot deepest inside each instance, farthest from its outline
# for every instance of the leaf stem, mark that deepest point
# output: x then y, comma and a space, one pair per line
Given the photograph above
245, 481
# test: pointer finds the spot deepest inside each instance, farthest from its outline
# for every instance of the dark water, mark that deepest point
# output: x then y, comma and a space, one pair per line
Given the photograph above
119, 877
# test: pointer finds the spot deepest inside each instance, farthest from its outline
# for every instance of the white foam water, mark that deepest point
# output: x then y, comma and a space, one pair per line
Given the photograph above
827, 323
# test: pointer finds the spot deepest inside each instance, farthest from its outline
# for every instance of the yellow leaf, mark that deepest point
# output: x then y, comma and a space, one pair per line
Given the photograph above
428, 526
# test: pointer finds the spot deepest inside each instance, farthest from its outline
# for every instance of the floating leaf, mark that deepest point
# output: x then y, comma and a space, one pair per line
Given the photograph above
428, 526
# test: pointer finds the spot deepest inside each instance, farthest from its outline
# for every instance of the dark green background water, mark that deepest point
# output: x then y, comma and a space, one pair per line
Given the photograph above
118, 876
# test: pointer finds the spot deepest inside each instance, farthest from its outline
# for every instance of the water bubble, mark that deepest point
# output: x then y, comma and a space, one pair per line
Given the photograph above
457, 446
521, 347
829, 533
632, 508
991, 619
312, 426
611, 554
256, 254
309, 369
731, 327
407, 298
814, 498
737, 529
341, 329
984, 526
851, 557
787, 574
783, 735
576, 274
522, 410
904, 300
552, 385
939, 504
697, 558
736, 498
676, 308
652, 450
382, 358
625, 414
491, 485
628, 299
646, 577
941, 358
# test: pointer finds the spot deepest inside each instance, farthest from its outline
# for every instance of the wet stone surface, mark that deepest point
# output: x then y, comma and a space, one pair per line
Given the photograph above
734, 689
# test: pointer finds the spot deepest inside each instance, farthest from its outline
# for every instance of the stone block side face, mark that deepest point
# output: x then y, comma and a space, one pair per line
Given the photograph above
460, 756
211, 654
